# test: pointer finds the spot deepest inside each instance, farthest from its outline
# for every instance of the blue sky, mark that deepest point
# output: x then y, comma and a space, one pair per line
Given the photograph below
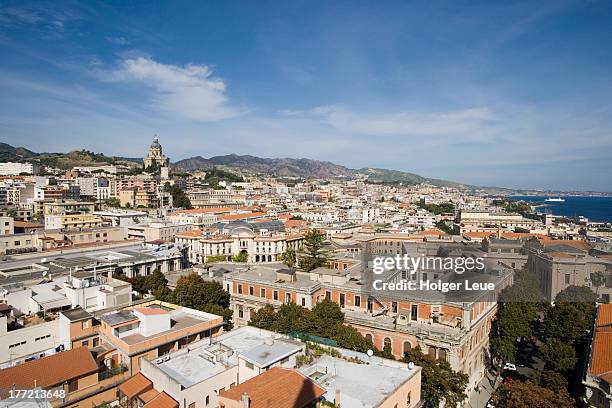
513, 94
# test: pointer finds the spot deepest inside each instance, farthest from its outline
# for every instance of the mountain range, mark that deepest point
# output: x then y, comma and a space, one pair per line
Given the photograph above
244, 164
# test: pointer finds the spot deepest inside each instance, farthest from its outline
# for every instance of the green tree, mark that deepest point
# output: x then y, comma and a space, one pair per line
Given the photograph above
156, 280
289, 257
567, 321
558, 355
113, 202
515, 319
208, 296
526, 394
504, 348
265, 318
438, 380
329, 314
552, 380
574, 293
242, 256
313, 255
179, 198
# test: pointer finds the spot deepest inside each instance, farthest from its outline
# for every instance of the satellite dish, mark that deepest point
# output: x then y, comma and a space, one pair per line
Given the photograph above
370, 353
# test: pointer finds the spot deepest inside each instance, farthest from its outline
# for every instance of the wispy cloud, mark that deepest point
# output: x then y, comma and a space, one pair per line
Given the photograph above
190, 91
468, 123
117, 40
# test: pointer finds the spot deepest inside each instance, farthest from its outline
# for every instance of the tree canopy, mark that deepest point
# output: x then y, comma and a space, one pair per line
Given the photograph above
438, 380
526, 394
313, 254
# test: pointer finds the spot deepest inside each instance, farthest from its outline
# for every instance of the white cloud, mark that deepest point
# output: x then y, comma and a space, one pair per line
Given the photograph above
191, 91
117, 40
469, 123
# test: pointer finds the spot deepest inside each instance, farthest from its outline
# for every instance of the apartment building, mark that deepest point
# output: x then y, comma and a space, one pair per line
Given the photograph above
7, 226
157, 231
72, 222
15, 169
479, 220
74, 378
149, 331
63, 207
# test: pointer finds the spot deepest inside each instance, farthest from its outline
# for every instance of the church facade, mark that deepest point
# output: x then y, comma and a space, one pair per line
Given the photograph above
155, 157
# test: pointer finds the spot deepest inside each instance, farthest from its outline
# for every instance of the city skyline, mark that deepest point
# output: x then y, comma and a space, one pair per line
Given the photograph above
508, 95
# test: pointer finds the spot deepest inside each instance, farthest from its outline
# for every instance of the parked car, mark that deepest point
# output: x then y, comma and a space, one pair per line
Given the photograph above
509, 367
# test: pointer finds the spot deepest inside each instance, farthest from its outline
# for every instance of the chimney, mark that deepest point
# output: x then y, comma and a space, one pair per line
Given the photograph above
337, 398
244, 401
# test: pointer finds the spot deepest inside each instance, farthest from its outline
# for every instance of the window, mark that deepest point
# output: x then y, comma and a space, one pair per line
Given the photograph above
394, 307
407, 347
85, 343
369, 338
275, 295
342, 300
287, 297
414, 311
387, 344
262, 292
207, 400
240, 289
408, 398
567, 278
358, 301
249, 365
327, 295
304, 302
251, 291
85, 324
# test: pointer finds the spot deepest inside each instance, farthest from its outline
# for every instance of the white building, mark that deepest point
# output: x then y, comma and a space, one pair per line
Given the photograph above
15, 169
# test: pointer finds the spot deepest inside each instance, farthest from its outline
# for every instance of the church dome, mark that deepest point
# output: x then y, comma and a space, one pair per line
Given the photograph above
155, 144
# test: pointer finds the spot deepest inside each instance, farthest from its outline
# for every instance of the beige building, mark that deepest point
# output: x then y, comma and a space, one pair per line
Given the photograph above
155, 231
72, 222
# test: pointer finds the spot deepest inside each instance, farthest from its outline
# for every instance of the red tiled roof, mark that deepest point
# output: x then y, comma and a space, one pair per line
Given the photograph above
163, 400
136, 385
601, 358
277, 388
49, 371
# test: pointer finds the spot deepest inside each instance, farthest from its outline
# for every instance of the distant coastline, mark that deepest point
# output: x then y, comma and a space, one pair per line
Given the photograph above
596, 208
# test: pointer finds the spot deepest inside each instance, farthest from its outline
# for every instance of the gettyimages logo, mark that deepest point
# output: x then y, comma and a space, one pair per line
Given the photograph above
413, 264
446, 278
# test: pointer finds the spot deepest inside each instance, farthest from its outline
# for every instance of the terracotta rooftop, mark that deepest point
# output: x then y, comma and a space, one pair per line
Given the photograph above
277, 388
163, 400
49, 371
136, 385
601, 358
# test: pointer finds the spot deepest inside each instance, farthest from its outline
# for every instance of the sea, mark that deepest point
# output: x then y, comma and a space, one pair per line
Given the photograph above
596, 209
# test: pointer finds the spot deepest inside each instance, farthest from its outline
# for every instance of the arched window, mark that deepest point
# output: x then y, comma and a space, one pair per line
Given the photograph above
442, 354
387, 344
407, 347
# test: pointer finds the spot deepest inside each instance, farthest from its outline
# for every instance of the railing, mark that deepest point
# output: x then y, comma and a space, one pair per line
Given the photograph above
103, 375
